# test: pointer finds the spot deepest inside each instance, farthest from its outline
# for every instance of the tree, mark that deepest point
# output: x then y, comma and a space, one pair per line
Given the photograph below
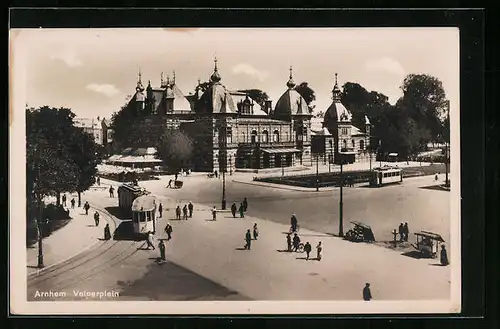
257, 95
306, 92
175, 148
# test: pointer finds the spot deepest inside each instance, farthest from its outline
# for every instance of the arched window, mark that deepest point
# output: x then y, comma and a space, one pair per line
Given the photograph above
353, 144
276, 136
345, 144
362, 145
244, 137
254, 136
265, 136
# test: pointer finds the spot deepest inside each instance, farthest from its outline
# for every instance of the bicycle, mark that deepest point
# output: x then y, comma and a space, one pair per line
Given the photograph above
300, 248
296, 230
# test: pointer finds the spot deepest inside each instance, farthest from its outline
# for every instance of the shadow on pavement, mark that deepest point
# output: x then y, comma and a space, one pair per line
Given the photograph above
434, 187
283, 250
413, 254
241, 248
125, 231
118, 213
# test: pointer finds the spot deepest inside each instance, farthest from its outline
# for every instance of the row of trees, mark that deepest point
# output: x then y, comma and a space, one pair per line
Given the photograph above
60, 157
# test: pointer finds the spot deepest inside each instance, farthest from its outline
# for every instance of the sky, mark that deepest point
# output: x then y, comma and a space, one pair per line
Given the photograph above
92, 71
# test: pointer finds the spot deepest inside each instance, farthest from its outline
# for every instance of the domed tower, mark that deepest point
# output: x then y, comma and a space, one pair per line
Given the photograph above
140, 98
337, 120
169, 96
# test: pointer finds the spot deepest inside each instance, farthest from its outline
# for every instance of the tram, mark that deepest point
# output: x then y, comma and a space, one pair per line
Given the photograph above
386, 175
144, 214
127, 193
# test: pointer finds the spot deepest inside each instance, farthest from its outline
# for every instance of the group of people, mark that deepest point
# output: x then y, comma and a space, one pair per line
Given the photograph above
241, 209
293, 245
403, 231
248, 236
187, 208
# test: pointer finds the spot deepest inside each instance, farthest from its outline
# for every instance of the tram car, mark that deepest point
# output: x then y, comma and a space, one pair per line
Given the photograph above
127, 193
144, 214
386, 175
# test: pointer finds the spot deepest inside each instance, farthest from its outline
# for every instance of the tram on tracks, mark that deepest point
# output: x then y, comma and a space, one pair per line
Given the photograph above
127, 193
144, 214
386, 175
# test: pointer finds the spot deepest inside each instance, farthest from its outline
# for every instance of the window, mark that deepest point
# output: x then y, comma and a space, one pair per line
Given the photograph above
345, 144
244, 137
254, 136
265, 136
276, 136
142, 216
362, 145
229, 135
353, 144
148, 216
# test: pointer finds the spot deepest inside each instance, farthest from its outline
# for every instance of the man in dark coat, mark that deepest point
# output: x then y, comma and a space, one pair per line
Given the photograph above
64, 199
107, 232
401, 232
234, 209
86, 206
289, 242
242, 211
293, 222
178, 213
185, 212
444, 256
307, 249
248, 239
111, 192
96, 218
190, 208
296, 242
168, 230
160, 209
406, 231
367, 294
73, 203
245, 204
161, 245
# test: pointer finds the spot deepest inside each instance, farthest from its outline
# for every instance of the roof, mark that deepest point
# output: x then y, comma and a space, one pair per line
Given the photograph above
144, 203
145, 151
217, 99
321, 132
356, 131
337, 112
431, 235
240, 97
288, 150
361, 224
291, 103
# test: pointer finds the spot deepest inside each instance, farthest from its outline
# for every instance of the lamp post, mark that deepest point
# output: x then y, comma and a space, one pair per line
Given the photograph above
317, 172
380, 154
39, 201
446, 147
341, 204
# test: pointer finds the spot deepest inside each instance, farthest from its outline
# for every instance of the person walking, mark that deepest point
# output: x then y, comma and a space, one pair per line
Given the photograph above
401, 232
319, 248
214, 213
111, 192
293, 223
178, 213
185, 212
296, 242
367, 294
444, 256
96, 218
255, 231
289, 242
242, 211
169, 184
73, 203
406, 231
234, 209
160, 209
307, 249
191, 208
98, 181
161, 245
245, 204
169, 230
248, 239
107, 232
150, 240
64, 199
86, 206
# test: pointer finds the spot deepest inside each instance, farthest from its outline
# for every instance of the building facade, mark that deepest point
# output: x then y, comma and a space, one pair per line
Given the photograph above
98, 128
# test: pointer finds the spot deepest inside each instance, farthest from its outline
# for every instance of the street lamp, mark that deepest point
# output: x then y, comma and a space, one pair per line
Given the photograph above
317, 172
341, 204
40, 209
446, 147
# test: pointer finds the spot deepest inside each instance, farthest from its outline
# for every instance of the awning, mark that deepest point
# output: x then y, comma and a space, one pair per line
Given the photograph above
280, 150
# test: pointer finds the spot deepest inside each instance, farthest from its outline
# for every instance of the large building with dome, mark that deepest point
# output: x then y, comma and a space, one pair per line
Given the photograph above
231, 131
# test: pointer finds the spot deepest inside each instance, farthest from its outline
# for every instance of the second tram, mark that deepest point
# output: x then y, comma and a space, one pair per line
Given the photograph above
386, 175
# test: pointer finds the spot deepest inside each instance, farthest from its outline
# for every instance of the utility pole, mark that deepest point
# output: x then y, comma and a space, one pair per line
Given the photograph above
446, 148
341, 204
222, 164
317, 172
40, 210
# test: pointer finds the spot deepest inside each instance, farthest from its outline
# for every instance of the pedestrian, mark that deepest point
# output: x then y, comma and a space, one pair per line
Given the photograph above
242, 211
395, 234
150, 240
234, 209
96, 218
169, 230
248, 239
73, 203
307, 249
293, 223
319, 248
169, 184
255, 231
296, 242
406, 231
79, 202
245, 204
161, 245
288, 242
444, 256
107, 232
160, 209
86, 206
64, 199
176, 175
111, 192
216, 174
214, 213
178, 213
401, 232
185, 212
98, 181
367, 294
436, 177
191, 208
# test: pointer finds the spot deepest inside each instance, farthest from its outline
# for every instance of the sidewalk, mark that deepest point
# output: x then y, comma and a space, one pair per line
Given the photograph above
78, 235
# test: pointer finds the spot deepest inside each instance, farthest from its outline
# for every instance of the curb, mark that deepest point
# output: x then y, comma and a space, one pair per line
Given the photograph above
295, 189
40, 271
